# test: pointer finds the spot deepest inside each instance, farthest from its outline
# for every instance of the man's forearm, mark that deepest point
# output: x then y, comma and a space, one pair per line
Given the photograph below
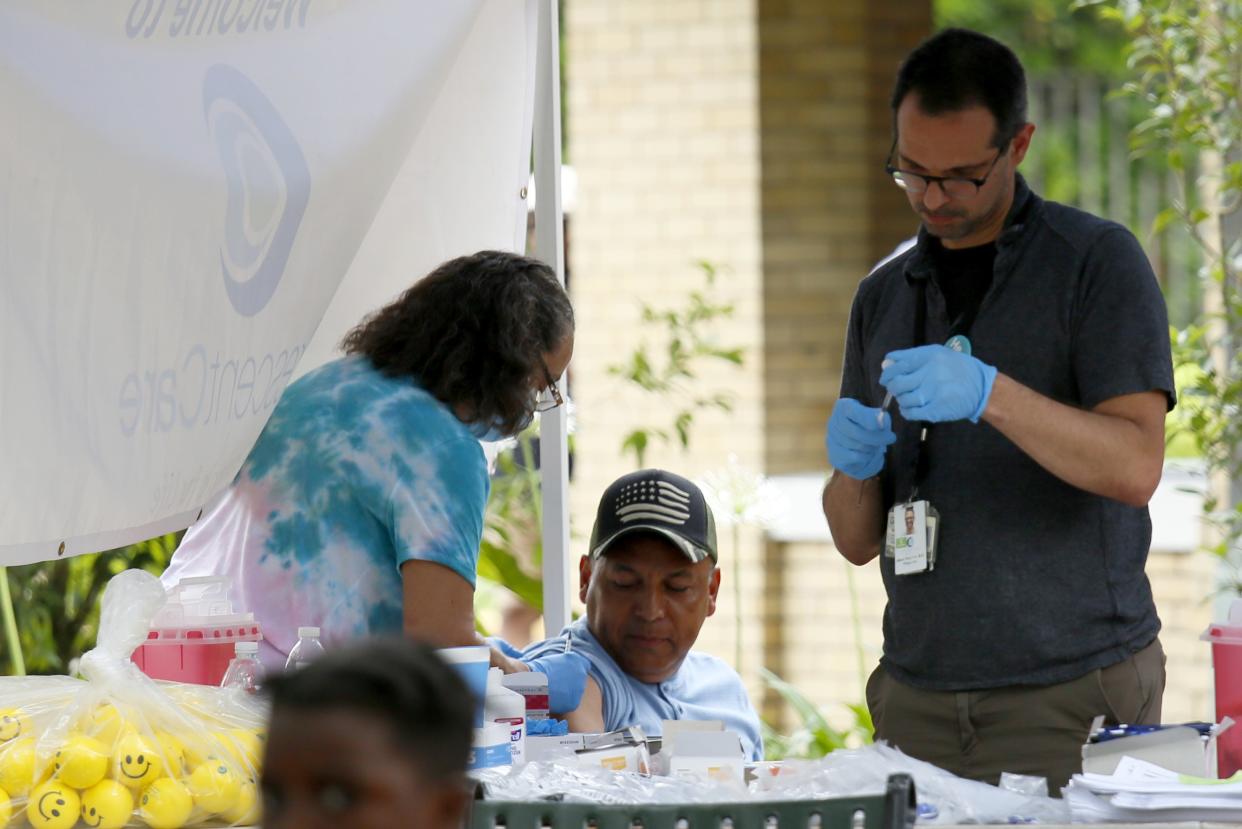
855, 516
1115, 450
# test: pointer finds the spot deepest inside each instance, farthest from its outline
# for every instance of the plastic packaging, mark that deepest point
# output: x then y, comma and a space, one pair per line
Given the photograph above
137, 752
508, 708
306, 650
1025, 784
244, 672
943, 797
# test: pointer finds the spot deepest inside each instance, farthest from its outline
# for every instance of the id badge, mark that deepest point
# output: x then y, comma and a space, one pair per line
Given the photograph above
911, 536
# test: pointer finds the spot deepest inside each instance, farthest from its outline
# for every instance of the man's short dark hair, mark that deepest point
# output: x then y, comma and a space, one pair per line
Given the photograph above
473, 333
425, 705
956, 69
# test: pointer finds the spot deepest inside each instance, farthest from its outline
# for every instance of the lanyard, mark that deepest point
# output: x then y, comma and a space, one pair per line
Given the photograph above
921, 462
961, 325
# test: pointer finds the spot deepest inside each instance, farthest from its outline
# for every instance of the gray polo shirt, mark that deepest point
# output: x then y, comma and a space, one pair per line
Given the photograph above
1036, 581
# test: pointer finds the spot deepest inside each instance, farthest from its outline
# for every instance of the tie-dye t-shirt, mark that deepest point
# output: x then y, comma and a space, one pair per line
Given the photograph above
355, 474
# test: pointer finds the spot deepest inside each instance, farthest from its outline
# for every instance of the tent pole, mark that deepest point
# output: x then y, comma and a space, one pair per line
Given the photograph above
550, 247
10, 625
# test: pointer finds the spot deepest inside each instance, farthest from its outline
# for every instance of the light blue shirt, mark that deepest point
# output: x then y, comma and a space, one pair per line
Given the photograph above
704, 688
355, 474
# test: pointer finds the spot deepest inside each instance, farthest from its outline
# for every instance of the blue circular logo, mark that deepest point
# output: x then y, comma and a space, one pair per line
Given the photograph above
268, 186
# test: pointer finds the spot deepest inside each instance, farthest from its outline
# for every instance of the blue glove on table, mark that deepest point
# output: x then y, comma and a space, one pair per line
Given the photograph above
857, 437
935, 383
550, 727
567, 675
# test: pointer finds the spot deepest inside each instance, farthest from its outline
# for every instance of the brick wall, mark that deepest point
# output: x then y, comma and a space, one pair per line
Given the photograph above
663, 133
828, 210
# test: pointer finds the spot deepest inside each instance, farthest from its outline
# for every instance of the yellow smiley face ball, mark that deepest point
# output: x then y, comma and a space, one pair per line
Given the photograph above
6, 809
105, 724
246, 748
17, 767
81, 762
245, 812
137, 762
166, 804
173, 751
13, 723
214, 786
107, 805
53, 805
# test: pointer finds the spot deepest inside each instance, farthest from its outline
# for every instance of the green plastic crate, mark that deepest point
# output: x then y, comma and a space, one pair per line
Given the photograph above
895, 809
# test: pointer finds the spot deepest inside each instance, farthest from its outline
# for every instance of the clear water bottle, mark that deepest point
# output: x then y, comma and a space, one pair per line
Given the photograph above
307, 649
244, 670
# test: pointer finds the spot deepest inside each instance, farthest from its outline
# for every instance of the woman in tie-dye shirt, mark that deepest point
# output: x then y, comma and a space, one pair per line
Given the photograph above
360, 507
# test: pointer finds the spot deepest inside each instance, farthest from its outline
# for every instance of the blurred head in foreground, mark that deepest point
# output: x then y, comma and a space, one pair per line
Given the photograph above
372, 735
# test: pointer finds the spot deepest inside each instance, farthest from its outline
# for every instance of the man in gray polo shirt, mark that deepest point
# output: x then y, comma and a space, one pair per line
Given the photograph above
1025, 348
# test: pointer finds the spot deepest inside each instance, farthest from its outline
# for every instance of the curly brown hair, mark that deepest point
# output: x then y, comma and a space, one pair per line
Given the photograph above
473, 333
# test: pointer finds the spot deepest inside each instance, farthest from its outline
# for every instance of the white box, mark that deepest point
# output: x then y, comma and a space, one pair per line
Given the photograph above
712, 755
1178, 748
616, 758
544, 747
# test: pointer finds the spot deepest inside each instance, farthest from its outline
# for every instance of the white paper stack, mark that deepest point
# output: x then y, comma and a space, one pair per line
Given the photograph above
1142, 792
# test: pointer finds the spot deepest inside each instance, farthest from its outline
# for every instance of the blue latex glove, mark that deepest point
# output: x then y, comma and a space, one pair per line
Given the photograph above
857, 437
550, 727
567, 675
937, 384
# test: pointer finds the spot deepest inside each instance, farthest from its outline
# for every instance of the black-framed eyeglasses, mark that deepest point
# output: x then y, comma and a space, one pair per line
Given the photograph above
953, 187
549, 397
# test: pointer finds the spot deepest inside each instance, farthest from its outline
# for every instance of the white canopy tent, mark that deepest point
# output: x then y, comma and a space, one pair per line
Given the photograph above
200, 197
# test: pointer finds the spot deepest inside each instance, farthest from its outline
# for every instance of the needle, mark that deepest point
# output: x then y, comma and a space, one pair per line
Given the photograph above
879, 416
888, 398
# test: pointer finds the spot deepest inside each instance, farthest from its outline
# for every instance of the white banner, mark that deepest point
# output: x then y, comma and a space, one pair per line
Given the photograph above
184, 184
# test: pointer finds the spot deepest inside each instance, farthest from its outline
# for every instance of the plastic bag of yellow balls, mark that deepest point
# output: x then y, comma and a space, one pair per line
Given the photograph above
118, 749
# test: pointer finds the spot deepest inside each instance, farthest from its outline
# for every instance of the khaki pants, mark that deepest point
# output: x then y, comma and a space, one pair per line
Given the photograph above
1035, 730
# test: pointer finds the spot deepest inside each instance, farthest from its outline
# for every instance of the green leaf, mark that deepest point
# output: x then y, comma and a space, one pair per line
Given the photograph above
682, 427
1163, 219
809, 715
500, 566
636, 442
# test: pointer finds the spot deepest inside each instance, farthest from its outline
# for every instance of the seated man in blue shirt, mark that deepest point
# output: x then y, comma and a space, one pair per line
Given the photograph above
649, 581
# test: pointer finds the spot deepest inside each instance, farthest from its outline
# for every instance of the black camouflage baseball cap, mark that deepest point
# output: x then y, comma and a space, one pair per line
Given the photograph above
653, 500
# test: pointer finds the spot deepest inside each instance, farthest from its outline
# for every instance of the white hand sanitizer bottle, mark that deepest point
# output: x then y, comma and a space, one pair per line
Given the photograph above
508, 708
